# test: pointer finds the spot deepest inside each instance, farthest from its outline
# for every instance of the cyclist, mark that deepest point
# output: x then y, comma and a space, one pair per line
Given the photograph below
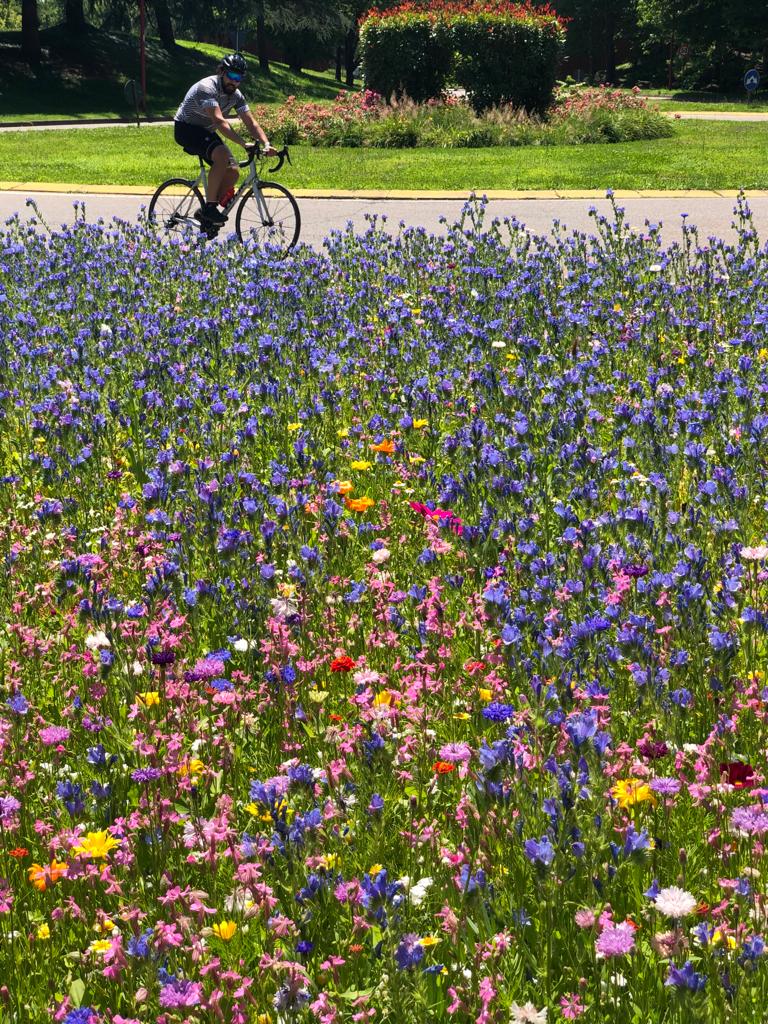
202, 114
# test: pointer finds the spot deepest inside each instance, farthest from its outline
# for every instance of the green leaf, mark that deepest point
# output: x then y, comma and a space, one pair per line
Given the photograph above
77, 991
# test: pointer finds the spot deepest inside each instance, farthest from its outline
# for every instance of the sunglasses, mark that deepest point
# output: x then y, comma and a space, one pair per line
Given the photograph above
234, 76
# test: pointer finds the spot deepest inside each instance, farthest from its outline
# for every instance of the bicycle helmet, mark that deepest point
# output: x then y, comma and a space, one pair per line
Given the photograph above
234, 62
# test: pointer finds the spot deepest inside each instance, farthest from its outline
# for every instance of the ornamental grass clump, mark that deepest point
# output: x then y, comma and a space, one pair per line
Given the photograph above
384, 627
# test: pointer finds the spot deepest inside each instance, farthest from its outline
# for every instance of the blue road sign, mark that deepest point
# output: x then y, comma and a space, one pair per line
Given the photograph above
751, 79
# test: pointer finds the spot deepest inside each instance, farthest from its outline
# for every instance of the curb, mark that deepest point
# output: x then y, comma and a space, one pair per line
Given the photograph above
66, 188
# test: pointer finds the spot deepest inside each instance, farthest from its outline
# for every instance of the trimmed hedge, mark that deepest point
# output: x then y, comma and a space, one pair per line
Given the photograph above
499, 52
403, 55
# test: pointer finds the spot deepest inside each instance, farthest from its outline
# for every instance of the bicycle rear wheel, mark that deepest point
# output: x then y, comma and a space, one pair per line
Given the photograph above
173, 206
271, 218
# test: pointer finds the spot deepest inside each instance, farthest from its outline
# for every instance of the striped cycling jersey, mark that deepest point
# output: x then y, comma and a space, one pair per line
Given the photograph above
203, 97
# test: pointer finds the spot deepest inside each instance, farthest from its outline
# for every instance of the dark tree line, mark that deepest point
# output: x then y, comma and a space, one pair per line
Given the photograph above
685, 42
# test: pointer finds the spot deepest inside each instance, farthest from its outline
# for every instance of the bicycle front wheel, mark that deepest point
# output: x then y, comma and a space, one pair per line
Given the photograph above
173, 206
269, 214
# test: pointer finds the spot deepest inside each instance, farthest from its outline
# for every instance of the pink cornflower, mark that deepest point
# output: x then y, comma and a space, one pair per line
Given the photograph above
616, 940
52, 735
456, 753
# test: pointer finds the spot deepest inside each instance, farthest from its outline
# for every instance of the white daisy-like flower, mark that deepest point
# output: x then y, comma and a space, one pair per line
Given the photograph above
675, 902
527, 1014
96, 640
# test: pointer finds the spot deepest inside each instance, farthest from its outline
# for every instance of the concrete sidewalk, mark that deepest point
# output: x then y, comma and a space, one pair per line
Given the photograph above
710, 212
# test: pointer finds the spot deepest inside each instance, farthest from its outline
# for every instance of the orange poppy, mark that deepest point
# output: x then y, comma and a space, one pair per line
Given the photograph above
386, 447
359, 504
443, 767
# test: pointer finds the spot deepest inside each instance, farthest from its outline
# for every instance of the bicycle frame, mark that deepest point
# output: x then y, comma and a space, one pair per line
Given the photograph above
251, 180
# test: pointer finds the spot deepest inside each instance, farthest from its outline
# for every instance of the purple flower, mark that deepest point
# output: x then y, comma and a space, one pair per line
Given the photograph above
665, 786
685, 977
539, 852
410, 952
9, 806
498, 712
146, 774
616, 940
53, 735
180, 993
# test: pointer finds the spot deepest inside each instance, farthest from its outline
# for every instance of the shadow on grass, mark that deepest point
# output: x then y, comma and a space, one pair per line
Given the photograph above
84, 75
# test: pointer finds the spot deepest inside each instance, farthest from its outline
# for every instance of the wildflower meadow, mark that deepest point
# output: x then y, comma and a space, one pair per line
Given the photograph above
383, 629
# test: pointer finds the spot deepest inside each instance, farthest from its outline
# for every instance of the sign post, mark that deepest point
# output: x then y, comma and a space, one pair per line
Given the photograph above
751, 82
143, 55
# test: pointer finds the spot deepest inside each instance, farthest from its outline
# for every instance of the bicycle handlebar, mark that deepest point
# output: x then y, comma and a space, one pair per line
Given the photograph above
254, 151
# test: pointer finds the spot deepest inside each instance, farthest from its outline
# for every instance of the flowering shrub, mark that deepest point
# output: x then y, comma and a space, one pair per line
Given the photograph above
500, 52
383, 628
364, 119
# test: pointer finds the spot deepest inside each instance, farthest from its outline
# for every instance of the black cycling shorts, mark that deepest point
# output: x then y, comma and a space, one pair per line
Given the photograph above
195, 140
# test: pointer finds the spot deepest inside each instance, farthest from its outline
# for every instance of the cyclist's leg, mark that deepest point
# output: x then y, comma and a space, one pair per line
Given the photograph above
224, 171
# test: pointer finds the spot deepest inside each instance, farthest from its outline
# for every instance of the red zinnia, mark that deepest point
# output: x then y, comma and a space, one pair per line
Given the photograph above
342, 664
443, 767
19, 851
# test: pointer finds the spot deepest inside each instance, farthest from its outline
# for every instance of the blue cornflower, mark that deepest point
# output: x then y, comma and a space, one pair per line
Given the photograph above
82, 1015
498, 712
376, 805
409, 953
302, 775
685, 977
539, 852
138, 945
71, 794
18, 703
582, 727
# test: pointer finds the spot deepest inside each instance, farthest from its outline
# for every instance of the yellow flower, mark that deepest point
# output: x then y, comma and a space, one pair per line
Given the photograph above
719, 939
253, 808
193, 767
462, 716
225, 930
485, 695
43, 932
416, 459
374, 869
429, 940
330, 861
97, 845
293, 427
344, 432
628, 792
344, 486
100, 946
148, 698
418, 424
107, 925
385, 697
763, 354
360, 464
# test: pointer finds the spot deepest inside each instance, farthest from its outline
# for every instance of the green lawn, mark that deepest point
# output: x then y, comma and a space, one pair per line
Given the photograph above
84, 77
701, 155
728, 106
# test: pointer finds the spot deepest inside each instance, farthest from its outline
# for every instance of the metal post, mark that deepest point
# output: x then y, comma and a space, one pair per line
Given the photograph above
143, 56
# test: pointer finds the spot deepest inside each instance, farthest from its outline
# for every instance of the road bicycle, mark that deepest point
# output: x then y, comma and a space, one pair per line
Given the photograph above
267, 211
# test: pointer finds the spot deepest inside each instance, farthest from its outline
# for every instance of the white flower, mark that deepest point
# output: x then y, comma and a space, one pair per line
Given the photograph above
498, 344
137, 667
105, 331
527, 1014
283, 608
95, 640
244, 645
380, 555
418, 892
655, 268
675, 902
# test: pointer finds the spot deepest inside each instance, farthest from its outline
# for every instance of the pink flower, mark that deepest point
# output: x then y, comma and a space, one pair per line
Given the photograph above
616, 940
571, 1006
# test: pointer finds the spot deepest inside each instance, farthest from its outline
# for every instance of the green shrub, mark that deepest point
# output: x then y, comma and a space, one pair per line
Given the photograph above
405, 56
504, 58
498, 51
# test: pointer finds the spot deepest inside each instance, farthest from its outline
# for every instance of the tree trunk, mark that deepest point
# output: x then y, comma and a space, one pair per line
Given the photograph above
610, 33
670, 63
30, 31
350, 52
339, 52
261, 39
74, 16
164, 24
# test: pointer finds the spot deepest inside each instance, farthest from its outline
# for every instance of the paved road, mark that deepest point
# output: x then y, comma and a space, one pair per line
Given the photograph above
712, 214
